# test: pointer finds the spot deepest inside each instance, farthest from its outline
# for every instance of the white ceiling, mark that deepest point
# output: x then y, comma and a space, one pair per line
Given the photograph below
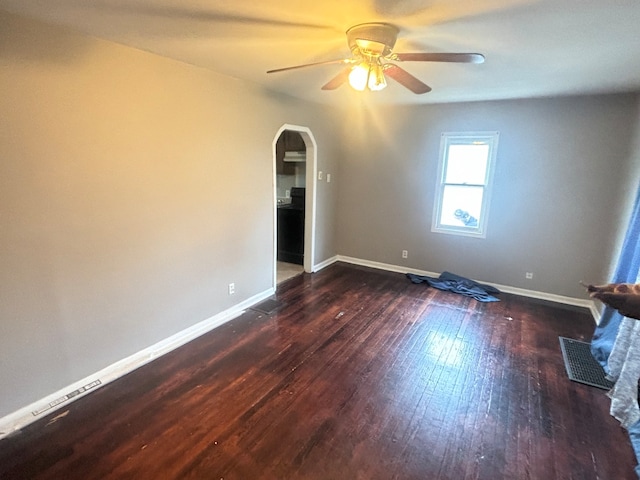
532, 48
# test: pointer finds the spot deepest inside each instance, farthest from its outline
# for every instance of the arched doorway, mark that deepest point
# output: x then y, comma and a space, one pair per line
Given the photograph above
308, 154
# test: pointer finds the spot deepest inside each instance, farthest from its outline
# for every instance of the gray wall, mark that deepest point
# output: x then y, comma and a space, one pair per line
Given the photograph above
555, 209
133, 189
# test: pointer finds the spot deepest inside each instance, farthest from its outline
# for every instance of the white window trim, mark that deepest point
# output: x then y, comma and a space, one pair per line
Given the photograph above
446, 139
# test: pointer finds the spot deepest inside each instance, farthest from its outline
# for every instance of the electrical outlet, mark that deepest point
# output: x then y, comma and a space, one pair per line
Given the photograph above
232, 288
328, 178
319, 175
405, 254
528, 275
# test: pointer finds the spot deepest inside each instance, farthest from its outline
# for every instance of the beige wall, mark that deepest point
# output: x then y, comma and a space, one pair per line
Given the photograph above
133, 189
555, 206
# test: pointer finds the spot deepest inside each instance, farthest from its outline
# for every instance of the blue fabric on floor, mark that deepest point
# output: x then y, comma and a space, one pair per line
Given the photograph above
457, 284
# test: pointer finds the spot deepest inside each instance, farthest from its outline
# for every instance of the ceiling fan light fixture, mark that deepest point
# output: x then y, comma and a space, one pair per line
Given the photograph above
376, 78
367, 75
359, 76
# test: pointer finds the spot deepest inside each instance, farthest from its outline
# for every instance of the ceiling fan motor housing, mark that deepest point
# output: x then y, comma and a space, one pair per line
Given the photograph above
373, 39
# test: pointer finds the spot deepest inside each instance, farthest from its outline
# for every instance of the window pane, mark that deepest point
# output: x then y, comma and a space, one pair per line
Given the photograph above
463, 188
461, 206
467, 164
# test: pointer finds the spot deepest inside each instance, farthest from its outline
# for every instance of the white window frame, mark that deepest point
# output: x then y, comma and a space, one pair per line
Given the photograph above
464, 138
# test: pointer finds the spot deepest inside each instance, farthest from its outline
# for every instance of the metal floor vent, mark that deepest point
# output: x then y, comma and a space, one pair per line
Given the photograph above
268, 306
580, 364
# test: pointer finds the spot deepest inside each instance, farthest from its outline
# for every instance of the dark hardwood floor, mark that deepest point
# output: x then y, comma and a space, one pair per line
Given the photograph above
359, 375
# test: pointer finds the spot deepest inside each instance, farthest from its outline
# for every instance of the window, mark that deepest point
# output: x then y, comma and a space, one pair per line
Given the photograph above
463, 187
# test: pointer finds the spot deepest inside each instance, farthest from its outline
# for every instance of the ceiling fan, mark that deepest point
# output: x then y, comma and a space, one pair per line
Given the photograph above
371, 47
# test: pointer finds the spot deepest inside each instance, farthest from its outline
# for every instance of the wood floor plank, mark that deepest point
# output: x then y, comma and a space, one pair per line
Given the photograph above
360, 374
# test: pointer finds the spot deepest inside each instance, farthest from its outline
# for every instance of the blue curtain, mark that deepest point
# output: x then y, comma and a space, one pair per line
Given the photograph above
626, 272
605, 334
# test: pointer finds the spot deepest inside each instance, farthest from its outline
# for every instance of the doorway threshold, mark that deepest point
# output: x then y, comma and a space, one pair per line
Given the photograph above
285, 271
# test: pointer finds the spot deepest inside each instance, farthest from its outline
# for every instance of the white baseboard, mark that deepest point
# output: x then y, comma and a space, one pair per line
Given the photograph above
57, 400
325, 263
578, 302
384, 266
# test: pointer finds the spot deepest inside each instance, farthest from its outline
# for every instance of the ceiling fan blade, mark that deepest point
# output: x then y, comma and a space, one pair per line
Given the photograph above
440, 57
406, 79
338, 80
330, 62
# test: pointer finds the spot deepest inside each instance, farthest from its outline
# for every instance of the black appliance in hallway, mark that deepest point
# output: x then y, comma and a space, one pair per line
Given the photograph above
291, 228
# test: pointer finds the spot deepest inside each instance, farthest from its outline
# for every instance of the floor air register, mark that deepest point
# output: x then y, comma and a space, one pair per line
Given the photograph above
580, 364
